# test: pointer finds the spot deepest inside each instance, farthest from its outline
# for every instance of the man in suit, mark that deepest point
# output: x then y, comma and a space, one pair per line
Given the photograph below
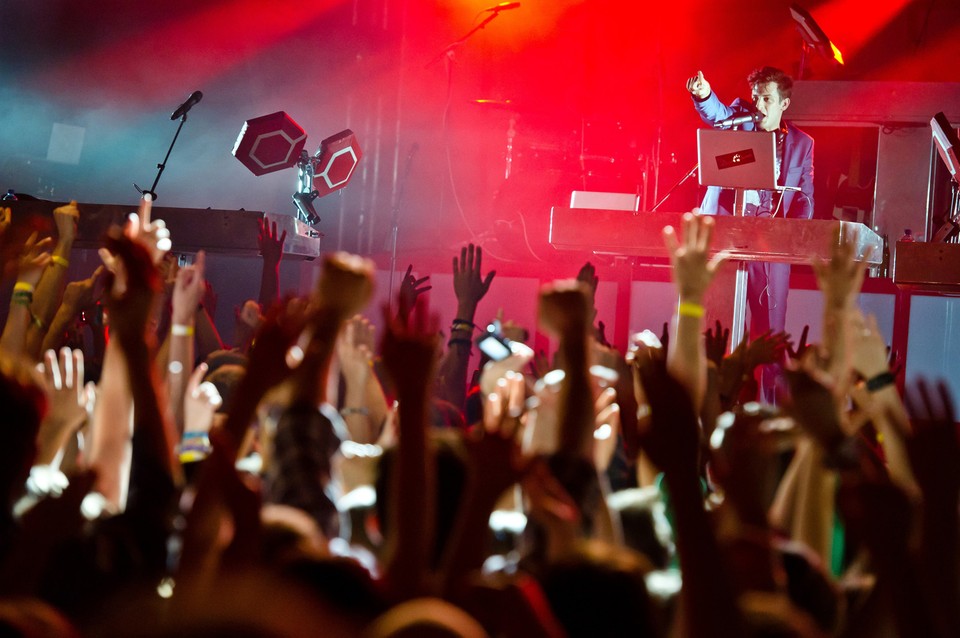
767, 283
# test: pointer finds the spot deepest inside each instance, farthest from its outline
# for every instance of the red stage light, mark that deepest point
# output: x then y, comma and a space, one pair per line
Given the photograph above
269, 143
335, 161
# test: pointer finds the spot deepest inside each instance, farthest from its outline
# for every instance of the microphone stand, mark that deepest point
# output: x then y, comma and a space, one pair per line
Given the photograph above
162, 165
689, 174
449, 49
395, 221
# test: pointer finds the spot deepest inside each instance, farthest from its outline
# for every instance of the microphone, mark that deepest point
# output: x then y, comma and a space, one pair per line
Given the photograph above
503, 6
191, 101
739, 120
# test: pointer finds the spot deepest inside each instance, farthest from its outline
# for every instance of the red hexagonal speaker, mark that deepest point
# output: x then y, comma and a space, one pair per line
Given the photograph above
269, 143
335, 162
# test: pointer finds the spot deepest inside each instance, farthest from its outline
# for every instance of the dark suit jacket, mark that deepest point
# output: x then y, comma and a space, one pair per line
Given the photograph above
796, 170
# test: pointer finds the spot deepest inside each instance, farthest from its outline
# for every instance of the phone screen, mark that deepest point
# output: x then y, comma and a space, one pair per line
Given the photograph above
493, 347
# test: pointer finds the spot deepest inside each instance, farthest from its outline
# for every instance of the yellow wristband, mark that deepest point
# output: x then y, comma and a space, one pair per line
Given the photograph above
689, 309
180, 330
60, 261
23, 286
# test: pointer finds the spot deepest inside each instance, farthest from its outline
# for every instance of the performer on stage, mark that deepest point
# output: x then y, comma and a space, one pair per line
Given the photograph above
767, 283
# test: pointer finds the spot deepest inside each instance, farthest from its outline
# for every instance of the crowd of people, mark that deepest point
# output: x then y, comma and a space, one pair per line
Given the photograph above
306, 481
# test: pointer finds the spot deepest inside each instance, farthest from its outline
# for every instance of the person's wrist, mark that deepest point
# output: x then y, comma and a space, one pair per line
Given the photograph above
691, 309
466, 312
183, 318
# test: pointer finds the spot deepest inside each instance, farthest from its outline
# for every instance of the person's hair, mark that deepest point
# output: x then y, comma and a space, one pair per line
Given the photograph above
767, 74
24, 405
600, 590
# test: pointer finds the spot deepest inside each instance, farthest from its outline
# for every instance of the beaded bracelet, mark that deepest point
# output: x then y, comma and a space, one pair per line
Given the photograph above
22, 297
462, 324
194, 446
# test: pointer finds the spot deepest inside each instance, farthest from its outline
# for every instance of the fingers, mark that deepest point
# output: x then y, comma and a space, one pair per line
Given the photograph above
51, 371
488, 280
144, 211
78, 376
670, 240
196, 378
66, 367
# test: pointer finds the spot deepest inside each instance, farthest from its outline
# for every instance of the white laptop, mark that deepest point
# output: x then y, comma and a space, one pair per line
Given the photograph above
737, 159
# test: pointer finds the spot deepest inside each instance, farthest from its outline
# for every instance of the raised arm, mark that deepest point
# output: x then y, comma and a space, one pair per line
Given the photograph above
271, 249
470, 287
693, 270
564, 311
33, 259
364, 406
77, 297
187, 292
409, 353
708, 605
54, 279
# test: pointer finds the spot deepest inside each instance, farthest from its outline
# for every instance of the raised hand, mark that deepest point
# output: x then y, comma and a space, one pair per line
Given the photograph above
693, 269
355, 348
66, 217
409, 351
270, 353
469, 284
410, 289
565, 308
588, 275
671, 436
868, 350
188, 290
33, 259
82, 294
153, 234
933, 448
67, 401
346, 284
802, 345
200, 402
130, 305
698, 86
271, 246
606, 427
716, 343
840, 277
765, 349
493, 449
813, 403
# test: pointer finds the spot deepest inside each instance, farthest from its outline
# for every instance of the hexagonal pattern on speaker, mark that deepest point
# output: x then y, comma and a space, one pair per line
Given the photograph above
269, 143
338, 157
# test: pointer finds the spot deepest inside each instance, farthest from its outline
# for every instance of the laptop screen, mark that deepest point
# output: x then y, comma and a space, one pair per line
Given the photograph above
737, 159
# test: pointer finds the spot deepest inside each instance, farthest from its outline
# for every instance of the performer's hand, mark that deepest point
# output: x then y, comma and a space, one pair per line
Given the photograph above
698, 86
